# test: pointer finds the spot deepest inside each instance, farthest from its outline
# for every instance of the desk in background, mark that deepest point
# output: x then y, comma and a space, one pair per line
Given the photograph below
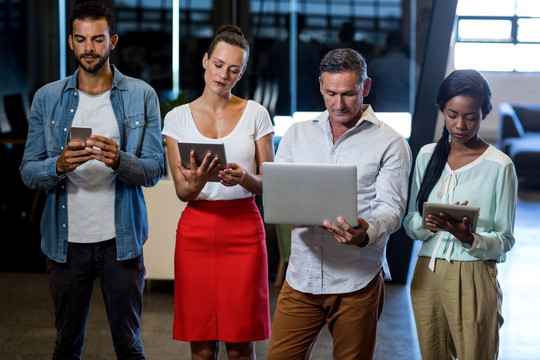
164, 210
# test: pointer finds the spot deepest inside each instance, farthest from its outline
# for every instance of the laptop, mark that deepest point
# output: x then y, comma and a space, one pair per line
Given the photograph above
308, 194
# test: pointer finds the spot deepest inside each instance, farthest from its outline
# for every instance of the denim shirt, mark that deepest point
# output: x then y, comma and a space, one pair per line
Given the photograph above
136, 109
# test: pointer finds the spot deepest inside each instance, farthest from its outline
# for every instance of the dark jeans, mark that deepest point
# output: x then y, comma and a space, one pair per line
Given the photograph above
122, 284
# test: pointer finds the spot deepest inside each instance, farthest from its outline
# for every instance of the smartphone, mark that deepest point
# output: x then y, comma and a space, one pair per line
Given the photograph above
80, 133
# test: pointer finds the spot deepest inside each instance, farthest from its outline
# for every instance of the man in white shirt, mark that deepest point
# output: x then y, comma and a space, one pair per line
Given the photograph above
336, 272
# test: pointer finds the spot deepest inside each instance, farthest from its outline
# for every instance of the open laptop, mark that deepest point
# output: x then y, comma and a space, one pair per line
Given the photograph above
308, 194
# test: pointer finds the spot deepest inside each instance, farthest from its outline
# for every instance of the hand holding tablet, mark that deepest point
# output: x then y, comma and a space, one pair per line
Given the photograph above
201, 149
457, 212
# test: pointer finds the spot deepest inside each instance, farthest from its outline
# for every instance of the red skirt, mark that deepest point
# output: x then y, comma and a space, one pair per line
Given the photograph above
221, 273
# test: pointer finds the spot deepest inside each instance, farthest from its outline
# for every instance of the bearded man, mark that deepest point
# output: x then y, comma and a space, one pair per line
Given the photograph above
94, 223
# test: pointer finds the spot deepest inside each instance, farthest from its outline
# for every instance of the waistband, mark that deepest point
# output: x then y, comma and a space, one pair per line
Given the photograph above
103, 243
222, 203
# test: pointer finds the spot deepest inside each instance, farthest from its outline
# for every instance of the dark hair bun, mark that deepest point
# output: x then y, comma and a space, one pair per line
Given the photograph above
230, 28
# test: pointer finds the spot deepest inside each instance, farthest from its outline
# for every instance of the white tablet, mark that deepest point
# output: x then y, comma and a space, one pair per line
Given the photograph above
455, 211
309, 194
201, 149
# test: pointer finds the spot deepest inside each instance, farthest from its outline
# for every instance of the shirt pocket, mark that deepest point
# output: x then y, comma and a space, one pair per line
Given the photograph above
135, 125
55, 137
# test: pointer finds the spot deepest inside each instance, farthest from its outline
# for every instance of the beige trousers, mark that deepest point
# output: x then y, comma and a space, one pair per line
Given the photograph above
457, 309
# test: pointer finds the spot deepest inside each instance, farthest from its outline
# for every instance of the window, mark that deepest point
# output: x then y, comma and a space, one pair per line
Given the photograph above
498, 35
321, 25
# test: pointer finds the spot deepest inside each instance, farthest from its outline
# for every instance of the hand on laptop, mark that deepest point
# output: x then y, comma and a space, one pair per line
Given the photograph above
348, 234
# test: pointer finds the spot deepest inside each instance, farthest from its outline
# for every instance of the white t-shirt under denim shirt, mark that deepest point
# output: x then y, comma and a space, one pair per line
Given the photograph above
319, 264
91, 187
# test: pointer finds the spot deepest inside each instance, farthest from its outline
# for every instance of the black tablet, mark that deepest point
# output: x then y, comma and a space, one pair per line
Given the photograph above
201, 149
455, 211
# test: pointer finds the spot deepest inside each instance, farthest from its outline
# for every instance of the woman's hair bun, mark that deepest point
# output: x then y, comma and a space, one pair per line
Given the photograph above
229, 28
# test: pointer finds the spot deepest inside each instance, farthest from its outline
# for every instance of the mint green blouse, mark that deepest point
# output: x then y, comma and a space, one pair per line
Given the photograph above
489, 182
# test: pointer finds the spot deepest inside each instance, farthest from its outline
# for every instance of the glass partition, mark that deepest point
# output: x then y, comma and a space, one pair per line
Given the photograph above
286, 81
283, 69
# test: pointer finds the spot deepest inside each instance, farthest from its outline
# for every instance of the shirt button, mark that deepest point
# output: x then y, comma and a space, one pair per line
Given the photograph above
136, 123
52, 122
63, 186
61, 148
63, 206
71, 110
63, 225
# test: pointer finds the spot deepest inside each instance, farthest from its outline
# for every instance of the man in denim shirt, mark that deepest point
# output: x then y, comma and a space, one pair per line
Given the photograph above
95, 221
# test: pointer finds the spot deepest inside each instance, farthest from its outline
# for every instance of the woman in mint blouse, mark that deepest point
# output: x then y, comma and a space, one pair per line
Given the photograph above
455, 294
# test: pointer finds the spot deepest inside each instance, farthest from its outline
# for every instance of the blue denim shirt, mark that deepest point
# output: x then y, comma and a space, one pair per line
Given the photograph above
136, 108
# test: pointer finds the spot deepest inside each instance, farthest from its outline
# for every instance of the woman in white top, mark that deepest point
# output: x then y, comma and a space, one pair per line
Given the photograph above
455, 294
221, 273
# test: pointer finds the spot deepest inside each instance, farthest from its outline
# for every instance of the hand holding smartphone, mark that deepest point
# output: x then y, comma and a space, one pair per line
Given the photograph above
71, 158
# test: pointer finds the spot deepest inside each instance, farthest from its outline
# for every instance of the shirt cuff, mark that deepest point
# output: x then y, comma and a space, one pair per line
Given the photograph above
471, 247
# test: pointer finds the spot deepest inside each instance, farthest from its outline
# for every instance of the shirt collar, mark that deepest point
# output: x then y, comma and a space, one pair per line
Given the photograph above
119, 80
367, 115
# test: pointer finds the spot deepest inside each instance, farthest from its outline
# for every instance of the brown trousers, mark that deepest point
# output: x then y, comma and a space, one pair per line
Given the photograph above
351, 319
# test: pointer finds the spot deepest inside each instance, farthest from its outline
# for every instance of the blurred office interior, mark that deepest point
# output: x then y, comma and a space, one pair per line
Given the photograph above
163, 41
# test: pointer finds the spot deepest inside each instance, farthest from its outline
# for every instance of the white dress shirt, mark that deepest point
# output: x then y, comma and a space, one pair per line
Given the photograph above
319, 264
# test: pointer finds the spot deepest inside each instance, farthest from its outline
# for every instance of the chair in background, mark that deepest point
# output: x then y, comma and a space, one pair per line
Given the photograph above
519, 137
14, 141
283, 236
16, 115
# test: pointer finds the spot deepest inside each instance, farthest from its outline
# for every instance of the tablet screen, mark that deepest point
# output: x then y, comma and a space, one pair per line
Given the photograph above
201, 149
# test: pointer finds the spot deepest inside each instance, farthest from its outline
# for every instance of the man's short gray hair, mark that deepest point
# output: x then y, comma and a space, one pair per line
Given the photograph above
344, 60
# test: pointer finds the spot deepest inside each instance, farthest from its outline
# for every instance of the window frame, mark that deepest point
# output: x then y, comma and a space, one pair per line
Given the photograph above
513, 38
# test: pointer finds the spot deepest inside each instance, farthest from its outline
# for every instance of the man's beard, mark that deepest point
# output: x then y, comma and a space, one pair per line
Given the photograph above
92, 68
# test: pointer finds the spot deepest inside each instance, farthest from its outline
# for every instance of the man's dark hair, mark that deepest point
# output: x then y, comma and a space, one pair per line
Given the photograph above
344, 60
93, 10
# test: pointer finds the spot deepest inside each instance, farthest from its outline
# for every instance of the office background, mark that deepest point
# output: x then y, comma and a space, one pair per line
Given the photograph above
163, 41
